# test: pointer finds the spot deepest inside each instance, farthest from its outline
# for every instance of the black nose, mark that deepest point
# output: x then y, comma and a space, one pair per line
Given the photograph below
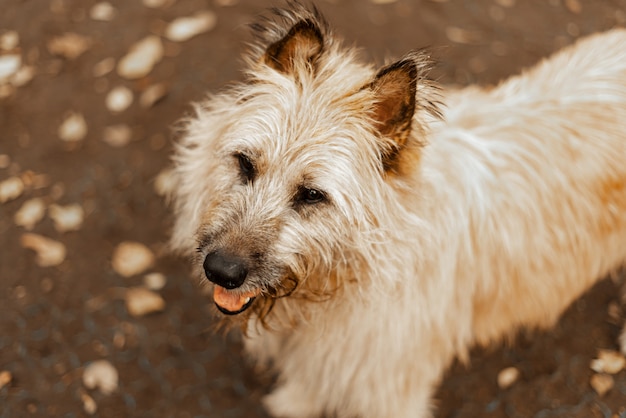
225, 270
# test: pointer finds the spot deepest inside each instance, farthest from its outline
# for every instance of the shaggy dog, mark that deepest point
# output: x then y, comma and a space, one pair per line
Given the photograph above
365, 227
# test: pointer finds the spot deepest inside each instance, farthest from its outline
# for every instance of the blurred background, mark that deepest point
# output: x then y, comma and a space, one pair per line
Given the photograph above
97, 320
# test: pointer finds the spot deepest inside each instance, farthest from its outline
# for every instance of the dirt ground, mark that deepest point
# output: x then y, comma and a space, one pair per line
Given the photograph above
56, 320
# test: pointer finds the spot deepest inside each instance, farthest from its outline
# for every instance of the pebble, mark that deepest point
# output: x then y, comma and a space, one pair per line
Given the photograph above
69, 45
507, 377
185, 28
119, 99
141, 58
67, 218
9, 65
73, 128
31, 212
5, 378
9, 40
117, 135
101, 375
49, 252
602, 383
103, 11
141, 301
131, 258
608, 361
11, 189
154, 281
152, 95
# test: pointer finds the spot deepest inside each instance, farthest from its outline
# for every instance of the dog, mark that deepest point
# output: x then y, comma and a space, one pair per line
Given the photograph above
364, 227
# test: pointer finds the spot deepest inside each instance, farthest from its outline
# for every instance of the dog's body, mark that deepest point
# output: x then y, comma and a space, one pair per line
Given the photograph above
374, 240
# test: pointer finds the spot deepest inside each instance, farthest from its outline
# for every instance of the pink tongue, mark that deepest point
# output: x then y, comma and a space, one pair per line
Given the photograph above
231, 301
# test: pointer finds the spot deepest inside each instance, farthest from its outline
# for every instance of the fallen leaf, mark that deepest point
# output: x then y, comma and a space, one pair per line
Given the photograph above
119, 99
141, 58
608, 361
73, 128
49, 252
131, 258
602, 383
69, 45
185, 28
117, 135
31, 212
67, 218
11, 189
507, 377
101, 375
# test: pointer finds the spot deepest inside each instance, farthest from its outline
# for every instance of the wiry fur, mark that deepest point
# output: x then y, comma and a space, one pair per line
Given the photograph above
494, 217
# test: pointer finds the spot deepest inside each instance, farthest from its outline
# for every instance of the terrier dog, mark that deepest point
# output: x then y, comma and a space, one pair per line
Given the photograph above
365, 227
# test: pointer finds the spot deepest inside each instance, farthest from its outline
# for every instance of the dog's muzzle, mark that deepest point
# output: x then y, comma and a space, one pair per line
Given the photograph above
228, 273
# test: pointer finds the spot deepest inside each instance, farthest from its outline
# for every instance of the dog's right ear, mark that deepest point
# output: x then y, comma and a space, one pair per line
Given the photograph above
302, 45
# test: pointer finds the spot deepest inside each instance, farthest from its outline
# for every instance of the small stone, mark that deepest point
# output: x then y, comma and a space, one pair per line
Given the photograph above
103, 67
103, 11
9, 40
185, 28
102, 375
73, 128
31, 212
117, 135
11, 189
23, 76
507, 377
152, 95
154, 281
69, 45
49, 252
9, 65
141, 58
119, 99
141, 301
67, 218
89, 405
165, 182
131, 258
602, 383
5, 378
608, 361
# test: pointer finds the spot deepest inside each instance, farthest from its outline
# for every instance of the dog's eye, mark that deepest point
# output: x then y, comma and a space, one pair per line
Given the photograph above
310, 196
246, 166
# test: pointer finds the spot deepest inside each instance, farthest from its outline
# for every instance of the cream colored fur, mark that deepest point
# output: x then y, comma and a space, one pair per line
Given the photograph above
513, 208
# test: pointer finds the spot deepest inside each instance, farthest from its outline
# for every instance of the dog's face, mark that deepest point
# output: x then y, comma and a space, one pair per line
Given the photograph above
293, 170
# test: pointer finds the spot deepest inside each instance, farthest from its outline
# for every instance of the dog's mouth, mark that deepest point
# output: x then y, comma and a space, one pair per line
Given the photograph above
231, 302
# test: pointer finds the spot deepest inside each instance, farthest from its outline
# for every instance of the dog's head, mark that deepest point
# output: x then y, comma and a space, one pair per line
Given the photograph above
284, 180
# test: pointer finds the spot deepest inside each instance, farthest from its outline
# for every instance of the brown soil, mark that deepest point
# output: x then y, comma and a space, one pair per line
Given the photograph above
171, 363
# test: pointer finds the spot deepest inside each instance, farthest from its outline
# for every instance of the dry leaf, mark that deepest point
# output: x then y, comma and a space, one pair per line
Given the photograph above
165, 182
602, 383
69, 45
73, 128
507, 377
185, 28
11, 189
5, 378
154, 281
31, 212
49, 252
102, 375
608, 361
131, 258
103, 11
9, 40
119, 98
9, 65
141, 301
141, 58
117, 135
67, 218
152, 94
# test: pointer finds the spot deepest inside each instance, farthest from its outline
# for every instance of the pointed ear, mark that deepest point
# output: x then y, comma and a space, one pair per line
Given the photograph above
302, 44
394, 88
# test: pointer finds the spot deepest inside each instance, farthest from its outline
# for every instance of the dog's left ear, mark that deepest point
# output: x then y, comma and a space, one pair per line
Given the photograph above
301, 45
394, 89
